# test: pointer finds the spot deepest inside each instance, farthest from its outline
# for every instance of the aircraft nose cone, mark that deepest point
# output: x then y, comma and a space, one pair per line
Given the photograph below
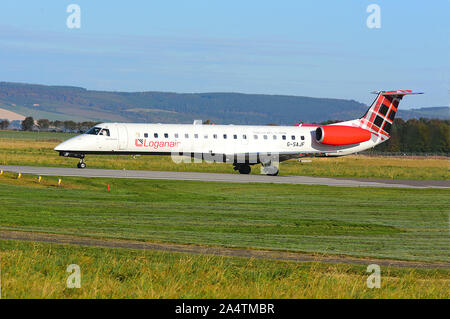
67, 145
58, 147
77, 143
61, 146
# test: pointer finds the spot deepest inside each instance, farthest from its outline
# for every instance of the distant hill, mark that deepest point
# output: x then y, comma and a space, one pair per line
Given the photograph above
79, 104
10, 116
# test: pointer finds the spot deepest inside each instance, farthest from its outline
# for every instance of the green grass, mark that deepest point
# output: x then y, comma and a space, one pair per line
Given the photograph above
406, 224
36, 149
409, 224
35, 136
31, 270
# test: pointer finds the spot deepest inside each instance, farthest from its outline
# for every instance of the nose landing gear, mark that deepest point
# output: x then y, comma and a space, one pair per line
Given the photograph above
81, 163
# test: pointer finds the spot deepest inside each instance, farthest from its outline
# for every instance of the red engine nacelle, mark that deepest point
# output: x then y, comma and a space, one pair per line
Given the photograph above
341, 135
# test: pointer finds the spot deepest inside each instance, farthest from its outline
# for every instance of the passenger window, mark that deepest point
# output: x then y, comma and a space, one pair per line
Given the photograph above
224, 136
255, 137
145, 134
235, 137
206, 137
186, 135
156, 135
195, 135
244, 137
166, 135
284, 137
302, 138
214, 135
274, 137
176, 135
265, 137
293, 137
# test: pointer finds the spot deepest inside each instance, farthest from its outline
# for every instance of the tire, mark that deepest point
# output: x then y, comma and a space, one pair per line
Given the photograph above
245, 169
81, 165
270, 171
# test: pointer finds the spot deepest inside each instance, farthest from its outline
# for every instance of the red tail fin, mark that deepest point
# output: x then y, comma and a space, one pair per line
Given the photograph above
380, 116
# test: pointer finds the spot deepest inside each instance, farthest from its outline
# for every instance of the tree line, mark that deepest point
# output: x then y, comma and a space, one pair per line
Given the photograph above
29, 124
418, 136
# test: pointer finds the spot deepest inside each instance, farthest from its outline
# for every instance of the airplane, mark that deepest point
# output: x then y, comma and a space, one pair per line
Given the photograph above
241, 145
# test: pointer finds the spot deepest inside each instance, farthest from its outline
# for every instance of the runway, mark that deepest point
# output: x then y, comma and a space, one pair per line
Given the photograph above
224, 178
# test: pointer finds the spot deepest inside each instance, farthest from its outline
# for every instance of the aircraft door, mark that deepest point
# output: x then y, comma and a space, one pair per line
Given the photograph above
241, 148
106, 139
123, 137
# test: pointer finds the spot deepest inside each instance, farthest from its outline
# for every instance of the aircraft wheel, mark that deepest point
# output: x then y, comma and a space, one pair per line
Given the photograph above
81, 165
270, 170
245, 169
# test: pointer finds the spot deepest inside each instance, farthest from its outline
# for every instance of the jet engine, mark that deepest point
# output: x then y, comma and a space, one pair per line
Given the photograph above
341, 135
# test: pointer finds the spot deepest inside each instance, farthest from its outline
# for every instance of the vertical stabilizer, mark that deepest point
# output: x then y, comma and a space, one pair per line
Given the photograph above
380, 116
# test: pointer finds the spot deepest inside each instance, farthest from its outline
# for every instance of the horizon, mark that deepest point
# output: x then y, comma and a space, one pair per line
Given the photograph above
322, 50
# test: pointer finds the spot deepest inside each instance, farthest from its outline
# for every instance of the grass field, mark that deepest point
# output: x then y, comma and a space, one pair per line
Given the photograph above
394, 223
32, 270
408, 224
29, 148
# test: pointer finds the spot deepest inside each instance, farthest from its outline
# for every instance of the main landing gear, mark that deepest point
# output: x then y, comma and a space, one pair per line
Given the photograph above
270, 170
242, 168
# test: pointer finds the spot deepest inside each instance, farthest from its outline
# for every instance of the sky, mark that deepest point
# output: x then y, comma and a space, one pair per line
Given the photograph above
303, 48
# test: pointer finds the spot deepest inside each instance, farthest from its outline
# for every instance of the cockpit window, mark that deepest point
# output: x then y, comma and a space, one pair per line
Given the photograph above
104, 132
94, 131
98, 131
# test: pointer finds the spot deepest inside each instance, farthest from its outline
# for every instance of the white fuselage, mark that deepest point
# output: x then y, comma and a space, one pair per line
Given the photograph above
292, 141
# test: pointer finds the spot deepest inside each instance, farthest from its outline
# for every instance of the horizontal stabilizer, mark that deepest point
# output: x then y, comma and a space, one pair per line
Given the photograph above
396, 92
